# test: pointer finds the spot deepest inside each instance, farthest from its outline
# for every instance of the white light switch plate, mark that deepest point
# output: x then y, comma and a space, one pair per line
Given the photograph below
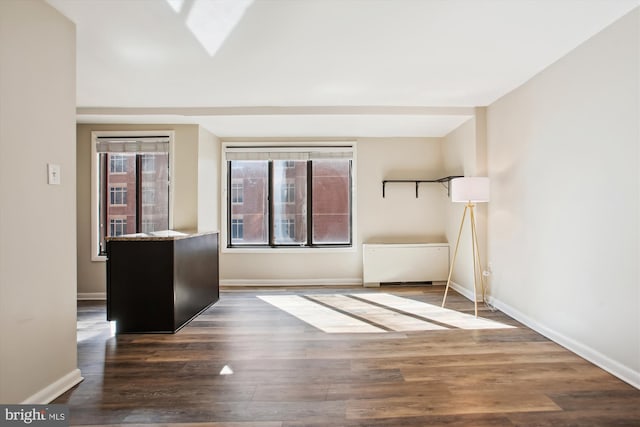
53, 174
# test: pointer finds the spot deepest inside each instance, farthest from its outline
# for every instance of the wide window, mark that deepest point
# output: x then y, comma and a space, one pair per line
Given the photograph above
132, 186
291, 196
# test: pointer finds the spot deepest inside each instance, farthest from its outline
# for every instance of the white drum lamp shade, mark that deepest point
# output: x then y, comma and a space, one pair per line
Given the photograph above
470, 189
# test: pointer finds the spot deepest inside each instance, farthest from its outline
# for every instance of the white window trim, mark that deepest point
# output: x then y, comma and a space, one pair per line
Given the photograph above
310, 144
95, 182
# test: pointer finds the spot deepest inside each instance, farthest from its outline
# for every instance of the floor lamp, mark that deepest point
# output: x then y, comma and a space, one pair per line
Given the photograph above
469, 190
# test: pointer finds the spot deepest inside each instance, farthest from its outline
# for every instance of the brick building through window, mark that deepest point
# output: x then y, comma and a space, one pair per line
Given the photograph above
283, 202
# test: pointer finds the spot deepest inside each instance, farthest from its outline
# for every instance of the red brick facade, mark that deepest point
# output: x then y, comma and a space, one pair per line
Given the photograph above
330, 202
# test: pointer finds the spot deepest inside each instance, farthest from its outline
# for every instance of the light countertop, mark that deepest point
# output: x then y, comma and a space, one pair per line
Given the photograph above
160, 235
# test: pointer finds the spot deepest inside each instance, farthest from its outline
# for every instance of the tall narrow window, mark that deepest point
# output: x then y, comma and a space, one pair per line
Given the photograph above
251, 215
291, 196
132, 185
288, 183
331, 207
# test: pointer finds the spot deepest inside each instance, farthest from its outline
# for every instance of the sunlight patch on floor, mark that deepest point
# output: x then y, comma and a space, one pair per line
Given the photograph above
432, 312
381, 316
360, 312
318, 315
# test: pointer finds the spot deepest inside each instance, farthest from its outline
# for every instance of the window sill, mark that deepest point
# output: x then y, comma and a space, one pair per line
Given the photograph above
288, 250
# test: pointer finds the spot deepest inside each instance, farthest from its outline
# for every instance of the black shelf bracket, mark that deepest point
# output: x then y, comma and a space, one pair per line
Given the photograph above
444, 181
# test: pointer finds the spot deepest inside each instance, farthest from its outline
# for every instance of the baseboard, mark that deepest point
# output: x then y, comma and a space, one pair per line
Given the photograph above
623, 372
88, 296
291, 282
55, 389
467, 293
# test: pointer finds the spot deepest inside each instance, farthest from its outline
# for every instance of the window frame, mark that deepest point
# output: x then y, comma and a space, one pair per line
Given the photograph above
225, 201
95, 181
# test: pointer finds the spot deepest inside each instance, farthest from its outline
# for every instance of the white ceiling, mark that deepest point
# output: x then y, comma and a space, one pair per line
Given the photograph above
317, 68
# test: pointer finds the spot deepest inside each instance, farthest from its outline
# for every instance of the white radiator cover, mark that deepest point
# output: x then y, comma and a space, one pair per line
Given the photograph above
417, 262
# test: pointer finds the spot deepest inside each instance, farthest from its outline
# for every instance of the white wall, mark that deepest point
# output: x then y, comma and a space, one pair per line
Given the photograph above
459, 148
399, 217
184, 178
37, 221
208, 181
465, 153
563, 218
193, 208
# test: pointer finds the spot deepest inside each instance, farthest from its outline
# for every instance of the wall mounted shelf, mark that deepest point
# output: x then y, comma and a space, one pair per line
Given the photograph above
444, 181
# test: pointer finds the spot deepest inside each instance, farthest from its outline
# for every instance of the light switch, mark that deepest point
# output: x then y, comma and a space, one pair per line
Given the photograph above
53, 174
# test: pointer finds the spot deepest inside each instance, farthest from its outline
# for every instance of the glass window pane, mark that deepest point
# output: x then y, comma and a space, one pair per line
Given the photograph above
120, 194
154, 182
331, 202
120, 180
248, 198
290, 202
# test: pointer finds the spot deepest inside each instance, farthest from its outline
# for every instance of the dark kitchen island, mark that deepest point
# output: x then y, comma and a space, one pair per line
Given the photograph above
158, 282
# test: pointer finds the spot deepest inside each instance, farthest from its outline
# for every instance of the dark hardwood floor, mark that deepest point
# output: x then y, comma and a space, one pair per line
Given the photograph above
288, 373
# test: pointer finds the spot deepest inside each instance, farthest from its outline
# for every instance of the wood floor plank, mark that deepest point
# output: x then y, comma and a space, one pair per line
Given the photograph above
460, 402
283, 372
